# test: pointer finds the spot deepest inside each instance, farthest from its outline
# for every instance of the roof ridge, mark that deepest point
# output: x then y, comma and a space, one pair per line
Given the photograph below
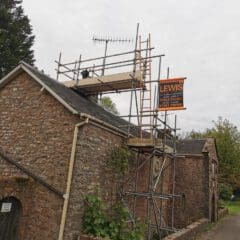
39, 71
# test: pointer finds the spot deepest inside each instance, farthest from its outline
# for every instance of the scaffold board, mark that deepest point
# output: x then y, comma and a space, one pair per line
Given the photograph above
119, 81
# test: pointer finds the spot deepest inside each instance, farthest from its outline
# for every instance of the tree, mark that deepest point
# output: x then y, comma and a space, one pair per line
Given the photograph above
16, 37
109, 105
228, 144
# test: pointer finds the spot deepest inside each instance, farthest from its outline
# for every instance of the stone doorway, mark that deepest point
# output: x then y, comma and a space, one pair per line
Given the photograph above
213, 208
10, 213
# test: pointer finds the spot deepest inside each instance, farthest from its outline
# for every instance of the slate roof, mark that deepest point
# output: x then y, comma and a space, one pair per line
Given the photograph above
82, 104
193, 146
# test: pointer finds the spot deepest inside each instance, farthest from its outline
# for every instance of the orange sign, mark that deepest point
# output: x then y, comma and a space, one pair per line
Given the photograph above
171, 94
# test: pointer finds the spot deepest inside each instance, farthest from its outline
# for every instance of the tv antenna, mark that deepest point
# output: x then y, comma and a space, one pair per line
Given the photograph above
106, 41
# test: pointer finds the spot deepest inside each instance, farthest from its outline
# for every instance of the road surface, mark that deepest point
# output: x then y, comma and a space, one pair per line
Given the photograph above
226, 229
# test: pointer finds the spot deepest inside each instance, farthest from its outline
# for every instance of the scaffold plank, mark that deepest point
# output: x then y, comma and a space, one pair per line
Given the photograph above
148, 143
107, 83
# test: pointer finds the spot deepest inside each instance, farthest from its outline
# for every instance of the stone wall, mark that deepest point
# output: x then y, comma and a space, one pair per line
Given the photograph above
190, 232
222, 213
41, 208
211, 155
91, 172
86, 237
192, 183
37, 131
197, 180
164, 186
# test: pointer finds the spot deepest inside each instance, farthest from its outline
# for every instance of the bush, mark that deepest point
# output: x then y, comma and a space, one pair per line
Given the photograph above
225, 191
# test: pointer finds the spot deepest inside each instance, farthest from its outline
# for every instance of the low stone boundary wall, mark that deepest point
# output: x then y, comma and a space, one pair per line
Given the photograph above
85, 237
222, 213
190, 232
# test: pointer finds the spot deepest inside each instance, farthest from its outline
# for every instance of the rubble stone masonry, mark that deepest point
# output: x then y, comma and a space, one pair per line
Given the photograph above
37, 131
196, 179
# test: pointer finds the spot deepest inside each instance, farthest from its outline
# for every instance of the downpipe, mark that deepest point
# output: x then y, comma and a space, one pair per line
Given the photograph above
69, 179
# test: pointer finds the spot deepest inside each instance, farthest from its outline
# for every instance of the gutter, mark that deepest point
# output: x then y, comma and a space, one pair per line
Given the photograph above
105, 126
69, 179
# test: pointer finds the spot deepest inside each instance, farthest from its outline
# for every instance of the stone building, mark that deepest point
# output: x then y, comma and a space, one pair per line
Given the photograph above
196, 179
53, 149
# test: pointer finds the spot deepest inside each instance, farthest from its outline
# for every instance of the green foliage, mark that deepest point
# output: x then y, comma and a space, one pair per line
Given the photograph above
16, 37
119, 159
94, 219
225, 191
233, 207
109, 105
115, 227
228, 144
221, 204
122, 230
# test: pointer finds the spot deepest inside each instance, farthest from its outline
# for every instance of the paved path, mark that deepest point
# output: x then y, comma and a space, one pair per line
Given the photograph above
227, 229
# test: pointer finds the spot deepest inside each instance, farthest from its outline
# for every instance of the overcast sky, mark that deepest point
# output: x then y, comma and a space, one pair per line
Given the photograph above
201, 41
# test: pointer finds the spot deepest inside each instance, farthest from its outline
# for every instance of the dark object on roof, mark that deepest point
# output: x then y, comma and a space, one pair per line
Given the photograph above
85, 73
193, 146
82, 104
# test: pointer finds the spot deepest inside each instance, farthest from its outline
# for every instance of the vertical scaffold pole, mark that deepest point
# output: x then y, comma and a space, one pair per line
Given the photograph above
174, 168
78, 68
104, 58
133, 78
59, 65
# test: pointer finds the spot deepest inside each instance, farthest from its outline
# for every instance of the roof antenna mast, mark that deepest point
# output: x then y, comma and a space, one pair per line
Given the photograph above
106, 41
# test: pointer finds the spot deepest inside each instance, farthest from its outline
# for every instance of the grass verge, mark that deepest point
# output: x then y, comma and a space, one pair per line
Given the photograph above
232, 206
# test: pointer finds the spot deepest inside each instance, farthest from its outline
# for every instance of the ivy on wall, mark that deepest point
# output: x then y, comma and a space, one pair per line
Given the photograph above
119, 159
98, 223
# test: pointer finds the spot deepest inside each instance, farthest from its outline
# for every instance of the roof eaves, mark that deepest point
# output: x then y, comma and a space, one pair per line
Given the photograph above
103, 123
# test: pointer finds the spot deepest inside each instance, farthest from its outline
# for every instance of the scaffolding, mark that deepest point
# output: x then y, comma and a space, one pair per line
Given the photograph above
156, 140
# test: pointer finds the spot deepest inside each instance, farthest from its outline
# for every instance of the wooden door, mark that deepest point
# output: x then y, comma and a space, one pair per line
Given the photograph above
10, 212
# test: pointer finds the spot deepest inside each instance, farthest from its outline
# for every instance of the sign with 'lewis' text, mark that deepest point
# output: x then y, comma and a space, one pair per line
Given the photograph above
171, 94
